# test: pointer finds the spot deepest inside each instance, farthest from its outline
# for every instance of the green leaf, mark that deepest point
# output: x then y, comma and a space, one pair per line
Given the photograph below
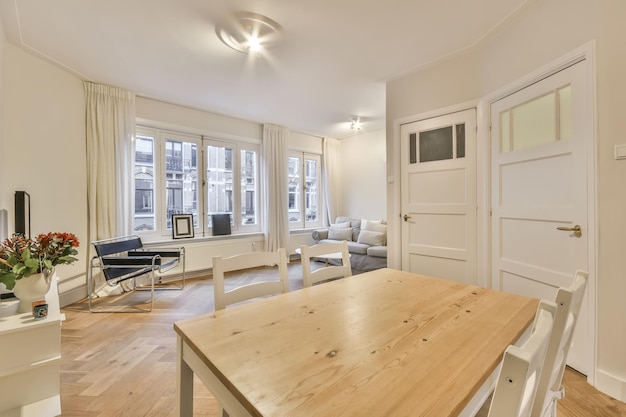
32, 263
8, 279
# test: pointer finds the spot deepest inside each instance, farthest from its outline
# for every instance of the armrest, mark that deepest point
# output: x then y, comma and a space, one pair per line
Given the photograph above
166, 253
320, 234
130, 261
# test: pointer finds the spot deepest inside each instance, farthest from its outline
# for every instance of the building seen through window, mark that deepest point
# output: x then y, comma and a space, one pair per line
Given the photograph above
185, 174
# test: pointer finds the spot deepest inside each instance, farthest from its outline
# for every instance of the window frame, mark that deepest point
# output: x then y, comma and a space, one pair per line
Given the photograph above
164, 136
303, 223
201, 228
237, 204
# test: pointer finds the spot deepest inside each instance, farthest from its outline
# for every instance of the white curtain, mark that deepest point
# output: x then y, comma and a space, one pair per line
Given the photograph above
274, 191
110, 132
331, 178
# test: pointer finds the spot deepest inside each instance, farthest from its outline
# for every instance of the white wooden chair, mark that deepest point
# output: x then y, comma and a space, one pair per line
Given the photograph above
336, 250
253, 290
518, 379
568, 302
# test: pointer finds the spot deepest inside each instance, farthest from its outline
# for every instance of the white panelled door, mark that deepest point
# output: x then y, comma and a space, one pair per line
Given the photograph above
539, 170
439, 196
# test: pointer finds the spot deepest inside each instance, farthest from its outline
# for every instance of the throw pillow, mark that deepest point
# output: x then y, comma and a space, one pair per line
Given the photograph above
340, 233
340, 225
372, 238
374, 226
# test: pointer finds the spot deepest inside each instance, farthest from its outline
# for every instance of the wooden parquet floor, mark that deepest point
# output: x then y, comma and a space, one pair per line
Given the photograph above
124, 364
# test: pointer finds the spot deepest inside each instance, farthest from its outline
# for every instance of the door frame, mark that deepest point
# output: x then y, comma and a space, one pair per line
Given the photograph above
585, 54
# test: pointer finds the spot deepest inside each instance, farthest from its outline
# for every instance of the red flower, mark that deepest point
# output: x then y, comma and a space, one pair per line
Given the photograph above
21, 257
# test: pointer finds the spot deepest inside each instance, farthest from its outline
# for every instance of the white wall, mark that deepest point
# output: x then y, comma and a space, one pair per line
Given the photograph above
542, 32
195, 121
363, 176
44, 150
3, 201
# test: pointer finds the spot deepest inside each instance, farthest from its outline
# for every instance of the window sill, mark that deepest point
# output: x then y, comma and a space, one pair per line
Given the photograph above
203, 239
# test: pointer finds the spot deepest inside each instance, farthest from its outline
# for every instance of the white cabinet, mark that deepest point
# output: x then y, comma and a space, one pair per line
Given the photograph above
30, 362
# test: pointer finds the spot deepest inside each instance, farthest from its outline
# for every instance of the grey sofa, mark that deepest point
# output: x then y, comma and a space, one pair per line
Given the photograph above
367, 247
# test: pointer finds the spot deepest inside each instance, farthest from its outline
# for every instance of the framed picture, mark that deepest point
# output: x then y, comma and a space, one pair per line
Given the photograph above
22, 213
182, 226
221, 224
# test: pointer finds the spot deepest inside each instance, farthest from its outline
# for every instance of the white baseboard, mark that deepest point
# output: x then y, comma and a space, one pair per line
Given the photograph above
611, 385
74, 295
80, 293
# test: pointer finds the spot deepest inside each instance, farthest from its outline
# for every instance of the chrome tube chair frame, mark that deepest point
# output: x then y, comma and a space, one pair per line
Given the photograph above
125, 258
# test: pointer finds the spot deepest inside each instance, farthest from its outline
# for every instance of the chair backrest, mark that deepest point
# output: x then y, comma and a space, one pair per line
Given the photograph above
568, 302
118, 246
252, 290
517, 382
113, 246
323, 250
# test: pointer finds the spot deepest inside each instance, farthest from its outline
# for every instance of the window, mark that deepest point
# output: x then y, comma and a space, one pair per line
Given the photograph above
542, 120
249, 170
437, 144
176, 173
232, 172
304, 190
144, 183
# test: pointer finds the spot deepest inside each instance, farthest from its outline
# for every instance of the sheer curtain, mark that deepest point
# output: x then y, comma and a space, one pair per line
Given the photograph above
110, 132
274, 192
330, 178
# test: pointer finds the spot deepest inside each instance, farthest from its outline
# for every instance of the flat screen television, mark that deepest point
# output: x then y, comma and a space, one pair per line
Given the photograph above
221, 224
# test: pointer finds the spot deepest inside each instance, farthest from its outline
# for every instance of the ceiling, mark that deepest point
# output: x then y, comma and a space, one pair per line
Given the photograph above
328, 66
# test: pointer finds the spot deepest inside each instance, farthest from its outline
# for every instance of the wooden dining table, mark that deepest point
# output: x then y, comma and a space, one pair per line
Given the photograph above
382, 343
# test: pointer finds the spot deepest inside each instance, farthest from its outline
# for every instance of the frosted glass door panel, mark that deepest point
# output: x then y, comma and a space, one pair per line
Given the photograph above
544, 119
531, 124
565, 112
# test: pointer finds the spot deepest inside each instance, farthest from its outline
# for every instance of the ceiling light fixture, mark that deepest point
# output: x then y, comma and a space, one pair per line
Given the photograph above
356, 125
248, 32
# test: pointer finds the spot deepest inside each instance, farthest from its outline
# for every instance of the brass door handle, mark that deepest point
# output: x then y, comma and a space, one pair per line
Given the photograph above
576, 229
406, 217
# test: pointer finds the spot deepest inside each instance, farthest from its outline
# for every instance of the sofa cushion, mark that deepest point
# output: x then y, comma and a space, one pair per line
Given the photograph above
371, 238
374, 225
359, 248
337, 233
377, 251
342, 225
353, 247
354, 223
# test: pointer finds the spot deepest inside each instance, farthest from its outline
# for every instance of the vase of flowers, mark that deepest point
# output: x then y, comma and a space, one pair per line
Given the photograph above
27, 265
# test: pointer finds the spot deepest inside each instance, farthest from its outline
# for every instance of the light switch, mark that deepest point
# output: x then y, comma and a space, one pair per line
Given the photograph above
619, 152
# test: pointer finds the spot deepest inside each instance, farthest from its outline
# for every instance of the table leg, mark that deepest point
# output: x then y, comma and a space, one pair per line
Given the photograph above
184, 383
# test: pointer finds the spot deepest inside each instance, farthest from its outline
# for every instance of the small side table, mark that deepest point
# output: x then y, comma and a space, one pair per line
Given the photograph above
30, 366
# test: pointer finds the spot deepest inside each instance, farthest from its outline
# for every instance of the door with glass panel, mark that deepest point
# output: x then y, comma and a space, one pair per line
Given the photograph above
539, 194
439, 196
